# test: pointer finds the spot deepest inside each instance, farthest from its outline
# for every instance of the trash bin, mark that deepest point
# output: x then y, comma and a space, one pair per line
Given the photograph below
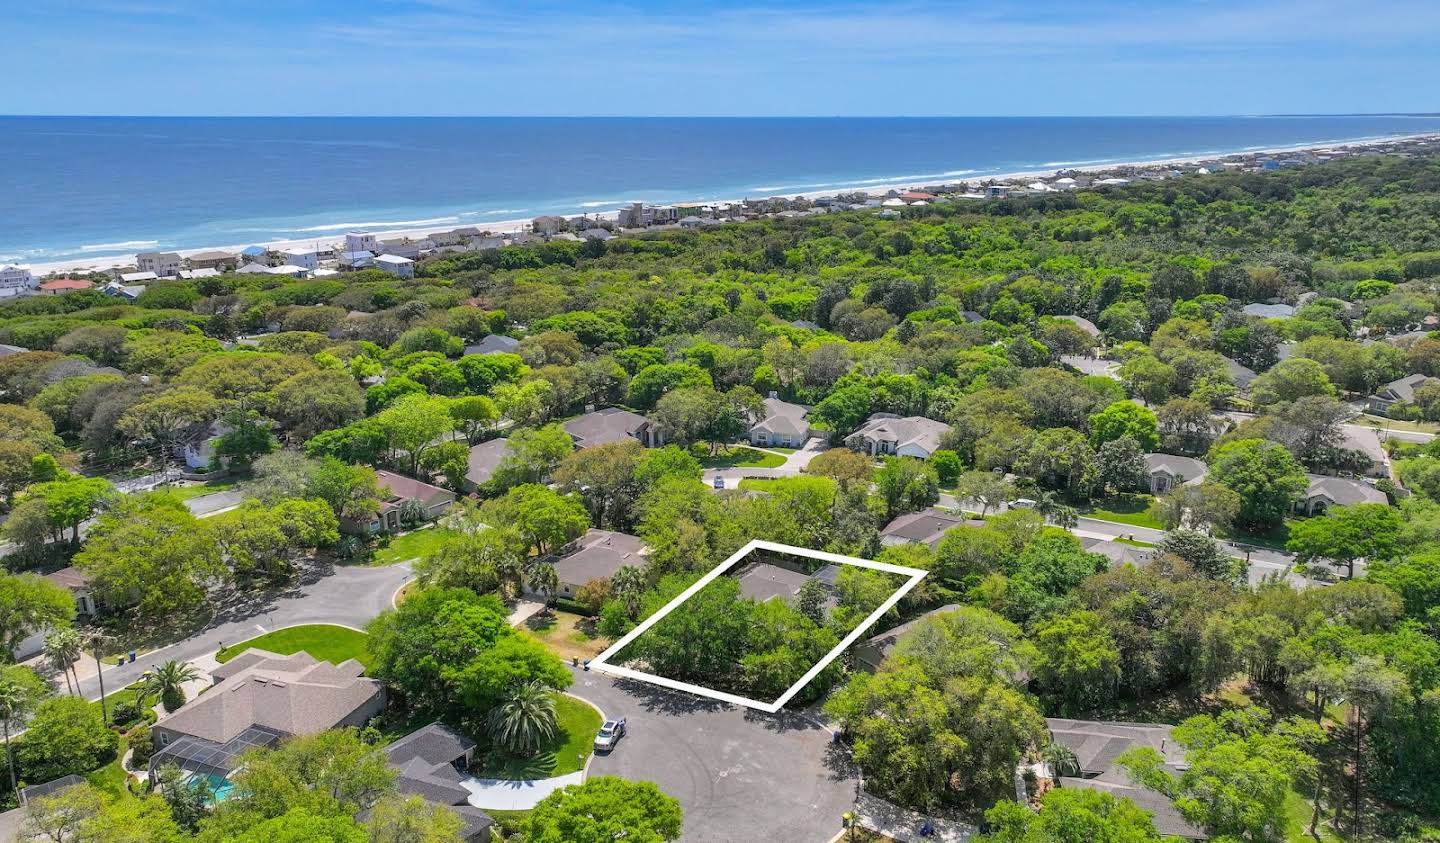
132, 656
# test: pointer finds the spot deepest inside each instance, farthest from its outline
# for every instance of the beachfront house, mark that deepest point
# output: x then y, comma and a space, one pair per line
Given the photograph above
396, 265
16, 280
163, 264
61, 286
359, 241
888, 434
214, 259
549, 225
356, 260
308, 258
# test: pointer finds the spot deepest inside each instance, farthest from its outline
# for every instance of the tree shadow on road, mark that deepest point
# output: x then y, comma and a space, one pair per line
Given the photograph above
782, 721
838, 763
665, 701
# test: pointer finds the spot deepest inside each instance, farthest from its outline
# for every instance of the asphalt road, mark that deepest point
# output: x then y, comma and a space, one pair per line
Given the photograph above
343, 596
739, 774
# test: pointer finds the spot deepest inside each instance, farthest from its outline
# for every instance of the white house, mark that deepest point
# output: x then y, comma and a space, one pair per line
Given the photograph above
199, 450
357, 241
163, 264
16, 280
291, 270
143, 277
887, 433
308, 258
396, 265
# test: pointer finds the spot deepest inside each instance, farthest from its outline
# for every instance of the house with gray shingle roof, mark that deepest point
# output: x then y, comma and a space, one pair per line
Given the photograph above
596, 555
431, 762
873, 650
259, 698
1325, 492
485, 458
1097, 745
612, 424
927, 527
908, 436
1395, 392
1166, 471
493, 344
784, 424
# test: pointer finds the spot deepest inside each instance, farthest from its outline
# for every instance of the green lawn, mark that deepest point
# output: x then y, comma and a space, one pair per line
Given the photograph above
1124, 509
411, 545
759, 484
739, 457
199, 489
323, 641
110, 779
565, 754
1297, 828
1396, 424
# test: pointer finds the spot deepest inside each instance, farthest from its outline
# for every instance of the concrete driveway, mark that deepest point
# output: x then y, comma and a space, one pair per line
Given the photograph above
739, 774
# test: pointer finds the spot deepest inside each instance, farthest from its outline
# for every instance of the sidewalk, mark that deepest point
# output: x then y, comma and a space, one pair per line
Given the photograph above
904, 825
506, 795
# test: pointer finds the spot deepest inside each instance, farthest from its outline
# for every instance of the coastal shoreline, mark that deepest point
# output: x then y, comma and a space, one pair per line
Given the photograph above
514, 226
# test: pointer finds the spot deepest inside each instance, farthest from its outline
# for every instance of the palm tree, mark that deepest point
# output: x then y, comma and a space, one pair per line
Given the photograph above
544, 580
20, 692
167, 682
525, 721
63, 648
628, 584
510, 570
1061, 760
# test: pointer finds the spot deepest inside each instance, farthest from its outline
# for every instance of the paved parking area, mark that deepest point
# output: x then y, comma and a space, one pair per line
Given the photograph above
739, 774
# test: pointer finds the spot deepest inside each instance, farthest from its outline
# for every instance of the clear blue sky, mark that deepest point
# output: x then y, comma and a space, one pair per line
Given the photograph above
700, 57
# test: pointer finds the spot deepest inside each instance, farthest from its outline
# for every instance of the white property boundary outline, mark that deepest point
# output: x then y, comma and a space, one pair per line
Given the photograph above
601, 662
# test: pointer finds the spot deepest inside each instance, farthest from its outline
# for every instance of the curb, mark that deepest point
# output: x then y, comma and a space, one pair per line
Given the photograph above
585, 771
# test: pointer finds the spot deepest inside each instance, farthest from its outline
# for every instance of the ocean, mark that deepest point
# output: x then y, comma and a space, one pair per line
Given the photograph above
90, 187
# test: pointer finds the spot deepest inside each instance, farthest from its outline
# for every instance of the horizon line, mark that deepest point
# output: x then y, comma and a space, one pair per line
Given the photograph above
329, 116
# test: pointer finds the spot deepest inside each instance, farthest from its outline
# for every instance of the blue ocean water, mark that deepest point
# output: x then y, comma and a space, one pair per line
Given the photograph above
86, 187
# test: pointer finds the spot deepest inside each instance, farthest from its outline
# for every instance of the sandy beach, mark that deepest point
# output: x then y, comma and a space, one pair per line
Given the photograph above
517, 225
